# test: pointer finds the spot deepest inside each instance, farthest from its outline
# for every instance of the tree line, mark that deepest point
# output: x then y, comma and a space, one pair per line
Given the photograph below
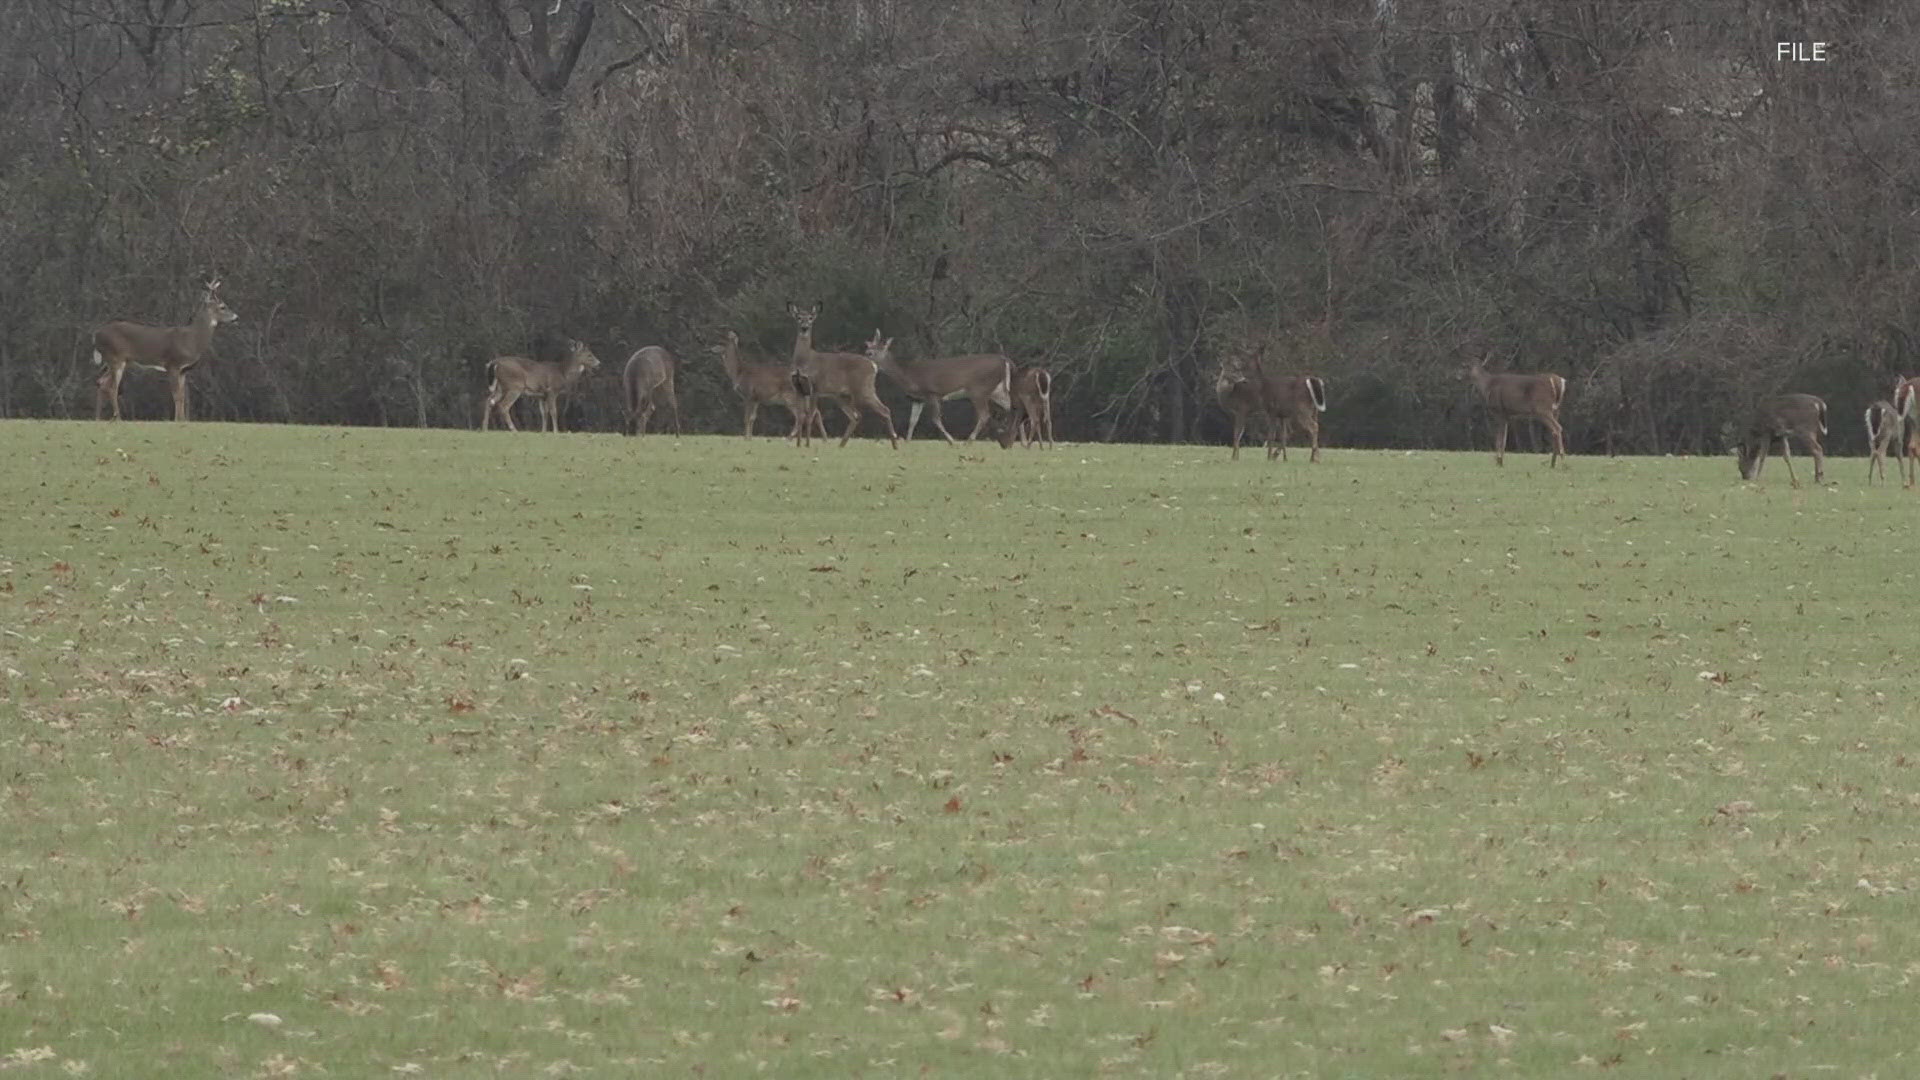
1641, 197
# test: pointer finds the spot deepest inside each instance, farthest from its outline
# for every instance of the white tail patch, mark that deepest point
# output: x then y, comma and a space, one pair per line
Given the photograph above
1873, 423
1317, 390
98, 360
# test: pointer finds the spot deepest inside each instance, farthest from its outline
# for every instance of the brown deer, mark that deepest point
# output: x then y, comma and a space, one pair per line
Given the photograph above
845, 377
1781, 420
764, 384
1032, 419
1904, 392
174, 350
982, 378
1290, 400
1883, 428
515, 377
645, 382
1513, 397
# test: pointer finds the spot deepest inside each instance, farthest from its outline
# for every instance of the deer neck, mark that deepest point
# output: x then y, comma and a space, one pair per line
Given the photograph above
803, 348
200, 334
730, 362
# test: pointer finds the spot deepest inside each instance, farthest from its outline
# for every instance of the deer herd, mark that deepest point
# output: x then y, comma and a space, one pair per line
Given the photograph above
992, 381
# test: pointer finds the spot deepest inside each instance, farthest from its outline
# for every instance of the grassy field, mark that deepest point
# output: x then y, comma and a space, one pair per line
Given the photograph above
373, 753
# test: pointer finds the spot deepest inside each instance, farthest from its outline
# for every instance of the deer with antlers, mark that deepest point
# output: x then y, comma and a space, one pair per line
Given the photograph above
1780, 420
982, 378
1032, 419
765, 384
174, 350
848, 378
1883, 430
645, 382
514, 377
1511, 397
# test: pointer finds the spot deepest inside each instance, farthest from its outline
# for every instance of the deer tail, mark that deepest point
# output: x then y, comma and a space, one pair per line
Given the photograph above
1044, 379
1873, 423
1317, 390
1902, 398
1559, 390
1823, 418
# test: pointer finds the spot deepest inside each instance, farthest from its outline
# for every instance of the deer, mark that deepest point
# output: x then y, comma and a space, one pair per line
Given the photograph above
174, 350
1904, 391
1513, 397
1032, 419
846, 377
982, 378
764, 384
1781, 420
645, 382
1883, 424
1290, 400
515, 377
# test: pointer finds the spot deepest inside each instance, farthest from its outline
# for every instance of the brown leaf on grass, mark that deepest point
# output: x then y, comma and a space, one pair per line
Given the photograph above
459, 703
953, 805
824, 568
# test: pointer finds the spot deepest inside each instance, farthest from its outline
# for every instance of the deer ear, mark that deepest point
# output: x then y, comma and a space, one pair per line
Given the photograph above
888, 347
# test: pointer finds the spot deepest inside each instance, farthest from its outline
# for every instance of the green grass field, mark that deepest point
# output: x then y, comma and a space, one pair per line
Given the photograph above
381, 753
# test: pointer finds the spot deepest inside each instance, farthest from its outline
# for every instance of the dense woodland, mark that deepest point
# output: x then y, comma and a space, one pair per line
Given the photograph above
1638, 195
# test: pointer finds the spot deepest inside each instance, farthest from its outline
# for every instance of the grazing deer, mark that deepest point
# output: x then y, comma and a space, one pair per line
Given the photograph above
982, 378
1883, 425
174, 350
1032, 420
1513, 397
646, 381
515, 377
765, 384
845, 377
1781, 420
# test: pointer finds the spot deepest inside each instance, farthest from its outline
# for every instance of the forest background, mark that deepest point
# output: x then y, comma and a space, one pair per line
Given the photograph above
1642, 196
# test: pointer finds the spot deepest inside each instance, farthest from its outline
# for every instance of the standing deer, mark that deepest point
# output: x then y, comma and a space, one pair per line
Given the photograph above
646, 381
1513, 397
1781, 420
982, 378
1290, 400
1904, 391
515, 377
1883, 425
174, 350
765, 384
1032, 420
845, 377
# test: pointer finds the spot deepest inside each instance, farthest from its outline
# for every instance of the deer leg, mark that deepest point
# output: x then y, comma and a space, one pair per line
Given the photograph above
1500, 442
939, 421
886, 416
1559, 443
113, 376
505, 407
179, 381
983, 412
1286, 431
1819, 460
1313, 430
1239, 429
913, 417
1786, 451
673, 399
